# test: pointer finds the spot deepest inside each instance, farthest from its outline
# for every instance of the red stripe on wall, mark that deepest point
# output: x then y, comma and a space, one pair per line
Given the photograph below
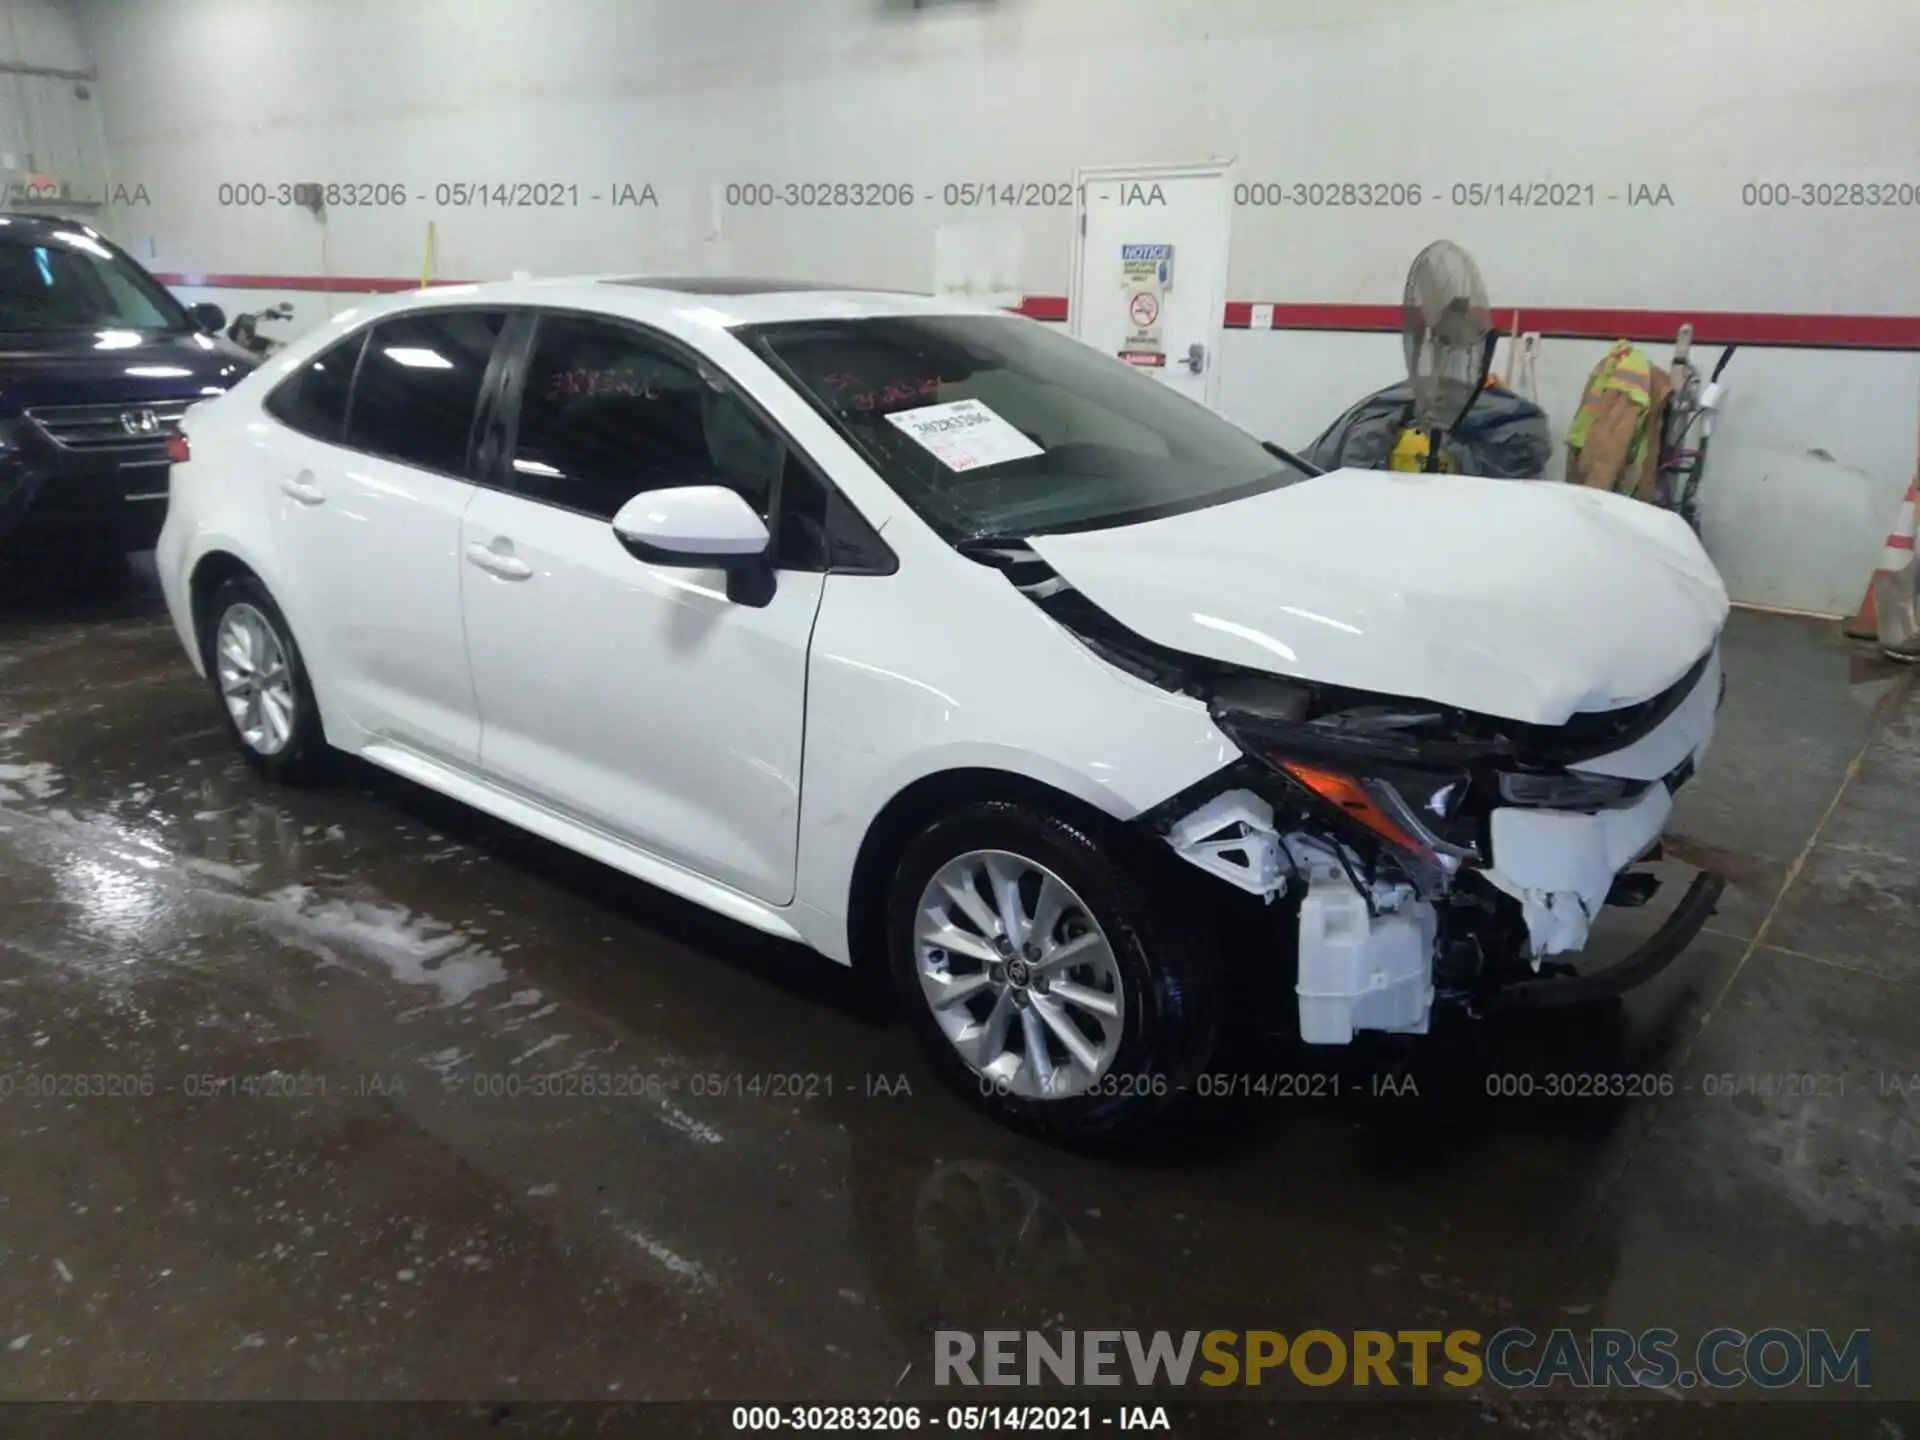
1034, 307
1710, 327
1043, 307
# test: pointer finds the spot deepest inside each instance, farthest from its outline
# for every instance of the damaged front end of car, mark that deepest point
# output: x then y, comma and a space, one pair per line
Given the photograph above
1422, 855
1443, 857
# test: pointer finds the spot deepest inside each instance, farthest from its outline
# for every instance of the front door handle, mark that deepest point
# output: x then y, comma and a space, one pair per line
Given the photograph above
507, 566
302, 488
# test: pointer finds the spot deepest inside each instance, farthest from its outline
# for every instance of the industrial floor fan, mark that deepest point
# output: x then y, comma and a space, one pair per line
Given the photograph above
1447, 329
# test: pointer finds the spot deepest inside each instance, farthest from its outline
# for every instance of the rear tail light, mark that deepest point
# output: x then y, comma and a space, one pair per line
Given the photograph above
178, 451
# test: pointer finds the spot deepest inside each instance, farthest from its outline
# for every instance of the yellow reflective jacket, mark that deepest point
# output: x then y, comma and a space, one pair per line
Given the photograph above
1615, 431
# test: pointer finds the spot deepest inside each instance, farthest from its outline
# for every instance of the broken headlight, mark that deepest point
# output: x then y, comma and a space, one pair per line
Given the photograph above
1414, 811
1362, 762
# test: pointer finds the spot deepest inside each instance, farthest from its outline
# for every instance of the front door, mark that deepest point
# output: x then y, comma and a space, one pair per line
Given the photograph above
635, 698
1150, 270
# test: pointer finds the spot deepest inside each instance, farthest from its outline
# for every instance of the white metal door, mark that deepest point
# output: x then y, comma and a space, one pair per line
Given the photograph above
1150, 269
370, 550
637, 697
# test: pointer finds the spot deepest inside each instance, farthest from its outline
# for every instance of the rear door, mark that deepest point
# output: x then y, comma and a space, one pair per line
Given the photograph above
369, 529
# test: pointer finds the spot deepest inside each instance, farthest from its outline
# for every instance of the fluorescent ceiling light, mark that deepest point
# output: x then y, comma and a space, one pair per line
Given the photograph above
417, 357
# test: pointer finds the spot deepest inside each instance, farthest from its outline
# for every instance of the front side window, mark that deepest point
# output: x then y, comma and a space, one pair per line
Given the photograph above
314, 400
419, 384
996, 426
66, 280
606, 414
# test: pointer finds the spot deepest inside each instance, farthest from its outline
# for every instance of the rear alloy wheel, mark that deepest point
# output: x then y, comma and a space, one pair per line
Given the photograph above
256, 670
254, 680
1041, 977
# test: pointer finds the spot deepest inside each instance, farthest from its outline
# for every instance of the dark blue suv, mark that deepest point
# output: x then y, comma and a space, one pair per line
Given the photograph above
97, 364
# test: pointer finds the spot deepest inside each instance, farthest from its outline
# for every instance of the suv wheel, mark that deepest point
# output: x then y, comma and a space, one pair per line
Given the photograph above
1043, 979
257, 672
83, 568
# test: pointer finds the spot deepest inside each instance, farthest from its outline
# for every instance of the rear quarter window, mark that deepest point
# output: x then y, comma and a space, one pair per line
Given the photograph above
418, 387
313, 400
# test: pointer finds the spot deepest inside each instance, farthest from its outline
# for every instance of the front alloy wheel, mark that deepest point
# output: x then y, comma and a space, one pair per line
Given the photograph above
1020, 976
1041, 972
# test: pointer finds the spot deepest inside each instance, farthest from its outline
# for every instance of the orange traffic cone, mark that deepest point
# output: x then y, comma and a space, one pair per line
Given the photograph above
1865, 624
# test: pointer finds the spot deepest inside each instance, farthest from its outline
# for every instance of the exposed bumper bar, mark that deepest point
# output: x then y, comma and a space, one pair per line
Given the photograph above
1662, 948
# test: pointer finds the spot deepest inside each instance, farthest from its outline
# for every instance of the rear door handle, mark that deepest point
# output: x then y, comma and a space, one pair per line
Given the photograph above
507, 566
302, 488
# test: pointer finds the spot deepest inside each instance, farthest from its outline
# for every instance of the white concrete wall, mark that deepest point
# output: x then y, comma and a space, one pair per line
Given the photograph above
49, 124
1806, 470
690, 95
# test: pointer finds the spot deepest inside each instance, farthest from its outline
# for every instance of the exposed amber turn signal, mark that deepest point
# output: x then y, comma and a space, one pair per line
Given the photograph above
1350, 796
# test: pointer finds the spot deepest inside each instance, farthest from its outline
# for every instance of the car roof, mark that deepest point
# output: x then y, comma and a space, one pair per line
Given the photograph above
720, 301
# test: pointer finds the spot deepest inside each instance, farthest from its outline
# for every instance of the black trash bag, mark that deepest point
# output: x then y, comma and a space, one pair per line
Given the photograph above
1504, 435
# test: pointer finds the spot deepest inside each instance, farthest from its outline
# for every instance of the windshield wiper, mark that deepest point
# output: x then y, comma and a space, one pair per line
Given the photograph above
1281, 453
976, 547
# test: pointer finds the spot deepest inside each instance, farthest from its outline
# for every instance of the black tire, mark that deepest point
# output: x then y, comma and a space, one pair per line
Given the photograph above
1170, 974
306, 758
84, 569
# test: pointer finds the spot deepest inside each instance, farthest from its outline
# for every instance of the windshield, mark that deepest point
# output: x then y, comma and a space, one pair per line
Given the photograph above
996, 426
67, 280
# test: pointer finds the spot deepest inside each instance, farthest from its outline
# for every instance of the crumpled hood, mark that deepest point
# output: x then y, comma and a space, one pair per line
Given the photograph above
1530, 600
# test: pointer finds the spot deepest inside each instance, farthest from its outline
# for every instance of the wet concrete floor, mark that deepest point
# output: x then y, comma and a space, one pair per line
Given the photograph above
354, 1094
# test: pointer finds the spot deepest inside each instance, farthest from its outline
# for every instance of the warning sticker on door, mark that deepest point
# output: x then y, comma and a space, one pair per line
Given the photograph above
964, 434
1145, 274
1142, 265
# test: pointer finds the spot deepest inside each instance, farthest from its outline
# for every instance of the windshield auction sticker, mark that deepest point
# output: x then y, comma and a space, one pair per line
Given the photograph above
964, 435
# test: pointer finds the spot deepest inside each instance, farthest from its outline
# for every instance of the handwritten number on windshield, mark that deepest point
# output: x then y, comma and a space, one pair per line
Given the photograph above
886, 397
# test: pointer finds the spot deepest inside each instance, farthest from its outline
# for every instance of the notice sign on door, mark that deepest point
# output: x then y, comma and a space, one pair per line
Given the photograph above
1146, 274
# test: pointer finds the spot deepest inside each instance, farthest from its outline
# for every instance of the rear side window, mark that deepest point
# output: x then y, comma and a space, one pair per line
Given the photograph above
418, 385
314, 400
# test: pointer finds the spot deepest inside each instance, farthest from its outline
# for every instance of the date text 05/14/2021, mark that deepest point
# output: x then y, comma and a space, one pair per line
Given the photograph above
959, 1419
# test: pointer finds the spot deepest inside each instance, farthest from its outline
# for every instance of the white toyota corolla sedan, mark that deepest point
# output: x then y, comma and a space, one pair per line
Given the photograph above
923, 634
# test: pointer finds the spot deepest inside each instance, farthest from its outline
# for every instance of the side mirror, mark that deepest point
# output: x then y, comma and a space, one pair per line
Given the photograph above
701, 527
208, 316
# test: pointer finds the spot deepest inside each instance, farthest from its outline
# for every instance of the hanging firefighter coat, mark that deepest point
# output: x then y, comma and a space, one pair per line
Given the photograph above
1614, 441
